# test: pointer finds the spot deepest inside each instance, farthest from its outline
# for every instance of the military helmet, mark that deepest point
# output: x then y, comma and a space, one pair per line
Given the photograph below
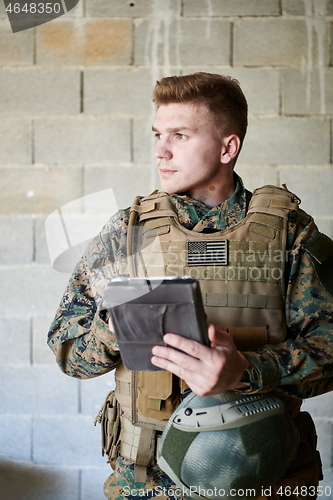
229, 444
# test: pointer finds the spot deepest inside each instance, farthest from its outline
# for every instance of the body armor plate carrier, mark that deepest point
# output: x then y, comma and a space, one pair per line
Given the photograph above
241, 276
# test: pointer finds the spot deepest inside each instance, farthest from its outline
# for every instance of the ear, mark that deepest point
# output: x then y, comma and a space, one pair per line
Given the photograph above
230, 148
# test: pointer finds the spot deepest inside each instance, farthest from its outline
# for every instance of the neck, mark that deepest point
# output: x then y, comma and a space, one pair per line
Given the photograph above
216, 193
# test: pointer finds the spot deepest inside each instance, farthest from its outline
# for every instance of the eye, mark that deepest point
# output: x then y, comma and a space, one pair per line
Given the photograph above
157, 135
181, 137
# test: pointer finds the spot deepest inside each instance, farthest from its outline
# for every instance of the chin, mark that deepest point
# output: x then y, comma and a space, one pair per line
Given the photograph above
171, 188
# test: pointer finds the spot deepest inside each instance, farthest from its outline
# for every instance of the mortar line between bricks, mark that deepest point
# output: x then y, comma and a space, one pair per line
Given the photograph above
131, 138
34, 47
231, 58
330, 60
32, 141
132, 41
32, 439
280, 8
331, 139
34, 239
31, 342
80, 484
280, 73
81, 92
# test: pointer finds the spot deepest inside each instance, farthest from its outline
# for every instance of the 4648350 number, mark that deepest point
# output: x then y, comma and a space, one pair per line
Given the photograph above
34, 8
306, 491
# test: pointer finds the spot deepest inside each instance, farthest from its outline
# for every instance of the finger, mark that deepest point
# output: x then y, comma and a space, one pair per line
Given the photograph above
187, 363
197, 382
190, 347
219, 337
193, 380
170, 366
165, 364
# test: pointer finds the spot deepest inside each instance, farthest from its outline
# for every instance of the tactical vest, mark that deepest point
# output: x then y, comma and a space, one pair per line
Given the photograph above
241, 276
240, 270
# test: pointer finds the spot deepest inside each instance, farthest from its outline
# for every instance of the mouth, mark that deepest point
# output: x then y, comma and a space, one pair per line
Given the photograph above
166, 172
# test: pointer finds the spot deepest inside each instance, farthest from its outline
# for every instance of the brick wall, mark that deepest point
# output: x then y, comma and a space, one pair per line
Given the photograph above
75, 119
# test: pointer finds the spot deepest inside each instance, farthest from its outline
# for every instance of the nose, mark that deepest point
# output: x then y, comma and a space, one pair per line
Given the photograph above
162, 150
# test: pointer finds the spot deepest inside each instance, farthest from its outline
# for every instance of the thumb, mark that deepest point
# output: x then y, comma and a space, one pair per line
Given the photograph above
219, 338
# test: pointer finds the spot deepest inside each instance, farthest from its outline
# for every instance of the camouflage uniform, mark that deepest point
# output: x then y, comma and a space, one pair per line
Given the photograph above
300, 367
121, 484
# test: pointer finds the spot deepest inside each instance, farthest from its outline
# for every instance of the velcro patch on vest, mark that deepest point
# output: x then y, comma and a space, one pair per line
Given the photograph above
267, 231
204, 253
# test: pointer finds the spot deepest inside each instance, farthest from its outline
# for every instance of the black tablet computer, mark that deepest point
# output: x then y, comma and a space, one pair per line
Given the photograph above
144, 309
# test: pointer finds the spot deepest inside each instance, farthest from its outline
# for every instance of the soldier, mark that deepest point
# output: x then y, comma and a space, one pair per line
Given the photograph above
270, 317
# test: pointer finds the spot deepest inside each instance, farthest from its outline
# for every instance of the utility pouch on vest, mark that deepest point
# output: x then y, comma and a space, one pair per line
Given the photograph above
148, 399
109, 418
157, 398
305, 470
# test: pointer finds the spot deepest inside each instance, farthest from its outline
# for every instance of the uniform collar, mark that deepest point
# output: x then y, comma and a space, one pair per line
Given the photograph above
195, 215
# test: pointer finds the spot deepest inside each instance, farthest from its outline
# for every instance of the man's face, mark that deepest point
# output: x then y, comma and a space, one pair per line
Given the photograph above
188, 150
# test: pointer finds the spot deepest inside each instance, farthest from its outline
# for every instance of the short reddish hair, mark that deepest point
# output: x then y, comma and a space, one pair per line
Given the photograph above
221, 94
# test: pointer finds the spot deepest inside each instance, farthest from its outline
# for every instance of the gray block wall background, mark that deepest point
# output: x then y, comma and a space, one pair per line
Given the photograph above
76, 119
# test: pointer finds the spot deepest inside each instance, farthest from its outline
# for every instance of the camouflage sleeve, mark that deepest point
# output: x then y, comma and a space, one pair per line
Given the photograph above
302, 366
79, 334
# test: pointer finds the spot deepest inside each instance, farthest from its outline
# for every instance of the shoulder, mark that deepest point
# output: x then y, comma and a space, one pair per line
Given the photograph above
313, 248
319, 248
109, 241
116, 224
112, 237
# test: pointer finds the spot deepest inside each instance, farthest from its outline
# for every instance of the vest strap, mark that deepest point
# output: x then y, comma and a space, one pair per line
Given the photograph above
275, 202
137, 444
144, 447
143, 454
132, 223
270, 210
283, 203
145, 206
157, 213
158, 203
242, 300
140, 473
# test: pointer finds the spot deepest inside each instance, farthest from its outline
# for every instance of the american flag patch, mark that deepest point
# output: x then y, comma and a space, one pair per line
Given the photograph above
206, 253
